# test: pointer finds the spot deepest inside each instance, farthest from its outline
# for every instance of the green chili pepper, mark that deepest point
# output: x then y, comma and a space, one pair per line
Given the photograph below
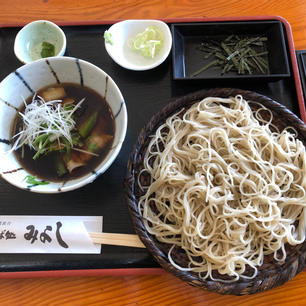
60, 167
88, 125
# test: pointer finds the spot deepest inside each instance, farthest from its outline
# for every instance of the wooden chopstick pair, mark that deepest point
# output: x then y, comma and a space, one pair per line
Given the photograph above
117, 239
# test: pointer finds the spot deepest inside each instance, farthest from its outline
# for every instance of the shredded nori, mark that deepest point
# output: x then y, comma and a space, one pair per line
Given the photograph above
240, 54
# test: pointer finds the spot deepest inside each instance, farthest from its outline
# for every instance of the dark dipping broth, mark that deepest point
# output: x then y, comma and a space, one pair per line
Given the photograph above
100, 137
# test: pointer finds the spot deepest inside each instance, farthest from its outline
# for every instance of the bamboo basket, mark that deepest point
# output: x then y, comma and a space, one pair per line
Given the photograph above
272, 273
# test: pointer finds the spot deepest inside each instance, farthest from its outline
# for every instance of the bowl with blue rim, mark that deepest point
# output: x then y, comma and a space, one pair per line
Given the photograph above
27, 95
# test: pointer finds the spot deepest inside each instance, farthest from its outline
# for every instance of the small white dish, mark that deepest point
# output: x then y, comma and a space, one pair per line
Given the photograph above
123, 55
28, 41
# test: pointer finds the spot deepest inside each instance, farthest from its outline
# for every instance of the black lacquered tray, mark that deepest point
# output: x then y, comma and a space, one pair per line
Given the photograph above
145, 94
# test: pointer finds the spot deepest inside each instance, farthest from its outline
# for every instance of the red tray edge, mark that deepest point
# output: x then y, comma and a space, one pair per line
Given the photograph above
86, 273
78, 273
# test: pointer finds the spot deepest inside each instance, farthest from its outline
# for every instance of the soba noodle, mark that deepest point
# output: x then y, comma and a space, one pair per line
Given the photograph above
226, 187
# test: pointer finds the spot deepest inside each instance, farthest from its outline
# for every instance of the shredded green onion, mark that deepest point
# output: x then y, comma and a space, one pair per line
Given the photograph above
46, 123
148, 42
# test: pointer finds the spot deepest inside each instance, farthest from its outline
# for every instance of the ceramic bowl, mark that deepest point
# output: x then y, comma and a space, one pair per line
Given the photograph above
30, 78
123, 55
28, 41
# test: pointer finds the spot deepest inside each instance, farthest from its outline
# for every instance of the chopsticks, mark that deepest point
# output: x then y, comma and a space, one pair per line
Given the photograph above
117, 239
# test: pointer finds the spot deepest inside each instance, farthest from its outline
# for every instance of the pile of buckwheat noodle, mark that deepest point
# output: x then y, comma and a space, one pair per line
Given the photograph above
226, 187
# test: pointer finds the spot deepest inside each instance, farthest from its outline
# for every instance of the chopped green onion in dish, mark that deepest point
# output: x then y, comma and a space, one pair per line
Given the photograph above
148, 42
108, 37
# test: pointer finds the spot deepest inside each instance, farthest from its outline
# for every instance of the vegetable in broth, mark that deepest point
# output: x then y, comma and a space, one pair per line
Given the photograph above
63, 132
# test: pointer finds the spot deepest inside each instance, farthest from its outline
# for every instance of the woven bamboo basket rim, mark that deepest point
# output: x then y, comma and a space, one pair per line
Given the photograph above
271, 274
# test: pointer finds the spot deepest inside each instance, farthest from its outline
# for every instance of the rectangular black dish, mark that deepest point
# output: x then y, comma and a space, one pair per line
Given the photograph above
188, 57
301, 60
145, 94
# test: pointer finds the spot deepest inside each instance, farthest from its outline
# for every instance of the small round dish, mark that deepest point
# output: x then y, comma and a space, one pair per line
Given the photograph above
28, 41
123, 55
